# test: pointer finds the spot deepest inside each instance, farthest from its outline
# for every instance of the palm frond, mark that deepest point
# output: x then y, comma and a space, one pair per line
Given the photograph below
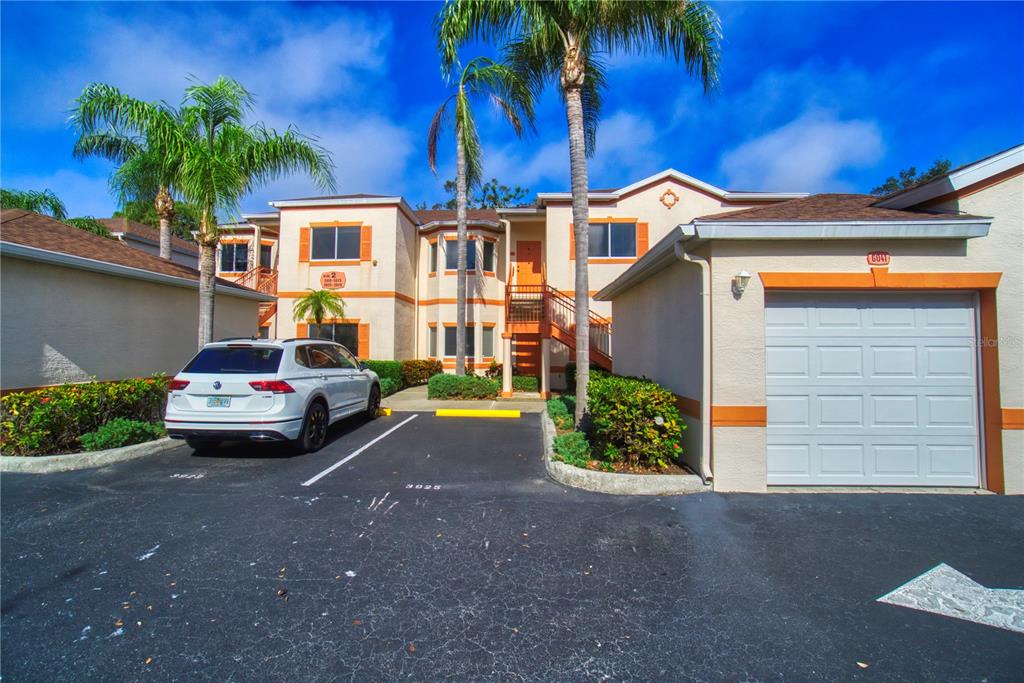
434, 133
38, 201
107, 144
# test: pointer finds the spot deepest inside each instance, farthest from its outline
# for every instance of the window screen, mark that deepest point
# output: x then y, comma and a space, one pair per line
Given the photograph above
612, 240
449, 341
335, 244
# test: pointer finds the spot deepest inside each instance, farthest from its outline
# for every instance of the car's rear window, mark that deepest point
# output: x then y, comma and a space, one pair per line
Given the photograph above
228, 360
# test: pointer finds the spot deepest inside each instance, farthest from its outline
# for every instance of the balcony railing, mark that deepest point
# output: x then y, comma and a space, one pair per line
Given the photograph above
260, 278
549, 308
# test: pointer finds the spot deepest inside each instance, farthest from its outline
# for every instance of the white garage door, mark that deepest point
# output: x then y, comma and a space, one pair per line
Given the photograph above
872, 389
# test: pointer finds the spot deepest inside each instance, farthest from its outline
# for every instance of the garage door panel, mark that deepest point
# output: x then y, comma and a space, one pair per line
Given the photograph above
878, 390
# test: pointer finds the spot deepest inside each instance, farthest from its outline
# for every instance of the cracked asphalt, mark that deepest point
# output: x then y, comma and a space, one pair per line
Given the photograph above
442, 552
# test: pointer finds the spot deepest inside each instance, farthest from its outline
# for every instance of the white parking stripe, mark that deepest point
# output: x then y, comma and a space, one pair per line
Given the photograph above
356, 452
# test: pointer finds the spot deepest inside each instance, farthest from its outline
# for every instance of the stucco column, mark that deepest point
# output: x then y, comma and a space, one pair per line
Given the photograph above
506, 364
545, 368
254, 250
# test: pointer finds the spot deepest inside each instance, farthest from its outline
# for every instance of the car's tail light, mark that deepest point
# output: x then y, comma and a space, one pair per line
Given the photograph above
177, 384
275, 386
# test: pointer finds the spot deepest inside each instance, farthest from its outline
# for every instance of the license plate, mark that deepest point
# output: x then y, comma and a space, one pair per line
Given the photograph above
218, 401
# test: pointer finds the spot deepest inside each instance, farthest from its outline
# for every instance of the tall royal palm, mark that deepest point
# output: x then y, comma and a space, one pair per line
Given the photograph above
116, 126
506, 88
563, 41
221, 159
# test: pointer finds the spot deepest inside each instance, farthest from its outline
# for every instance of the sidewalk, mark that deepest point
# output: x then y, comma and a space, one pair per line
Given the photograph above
415, 399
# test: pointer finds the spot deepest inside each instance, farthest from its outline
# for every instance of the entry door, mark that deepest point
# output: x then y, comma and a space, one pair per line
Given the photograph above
528, 263
872, 389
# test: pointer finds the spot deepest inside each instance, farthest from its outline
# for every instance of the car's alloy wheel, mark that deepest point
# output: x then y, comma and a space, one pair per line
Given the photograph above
373, 404
314, 429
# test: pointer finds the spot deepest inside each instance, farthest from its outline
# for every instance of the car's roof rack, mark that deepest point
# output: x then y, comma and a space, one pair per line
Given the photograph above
238, 338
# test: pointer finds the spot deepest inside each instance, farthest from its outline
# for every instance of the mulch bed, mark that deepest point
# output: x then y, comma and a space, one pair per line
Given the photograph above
626, 468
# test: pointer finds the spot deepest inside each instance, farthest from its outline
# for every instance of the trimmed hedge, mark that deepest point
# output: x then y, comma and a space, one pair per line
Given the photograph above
391, 369
570, 374
52, 420
388, 386
121, 432
418, 372
572, 449
634, 420
444, 386
525, 383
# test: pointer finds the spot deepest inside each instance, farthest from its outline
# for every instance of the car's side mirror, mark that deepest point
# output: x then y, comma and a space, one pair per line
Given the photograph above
363, 366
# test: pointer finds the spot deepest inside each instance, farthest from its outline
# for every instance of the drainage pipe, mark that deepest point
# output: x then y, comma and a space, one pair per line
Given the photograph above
705, 327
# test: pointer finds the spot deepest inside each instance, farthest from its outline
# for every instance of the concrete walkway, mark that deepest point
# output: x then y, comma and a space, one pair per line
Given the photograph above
415, 399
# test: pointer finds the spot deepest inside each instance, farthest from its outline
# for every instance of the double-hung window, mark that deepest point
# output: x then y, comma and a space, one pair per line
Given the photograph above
265, 252
346, 334
234, 257
338, 243
488, 256
449, 341
609, 240
488, 342
433, 257
432, 348
451, 254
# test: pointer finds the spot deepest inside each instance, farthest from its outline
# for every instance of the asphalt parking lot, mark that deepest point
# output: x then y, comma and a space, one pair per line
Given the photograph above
441, 551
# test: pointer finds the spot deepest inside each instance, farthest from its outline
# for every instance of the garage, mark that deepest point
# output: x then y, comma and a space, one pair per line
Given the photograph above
872, 389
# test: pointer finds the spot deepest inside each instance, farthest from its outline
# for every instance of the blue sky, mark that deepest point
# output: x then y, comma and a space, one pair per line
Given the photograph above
813, 96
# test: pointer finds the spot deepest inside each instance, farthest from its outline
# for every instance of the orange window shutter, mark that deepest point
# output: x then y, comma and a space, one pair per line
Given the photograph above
364, 341
365, 243
303, 245
572, 242
642, 239
302, 329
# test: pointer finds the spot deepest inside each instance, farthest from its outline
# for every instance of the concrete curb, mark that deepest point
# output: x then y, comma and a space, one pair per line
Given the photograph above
44, 464
614, 482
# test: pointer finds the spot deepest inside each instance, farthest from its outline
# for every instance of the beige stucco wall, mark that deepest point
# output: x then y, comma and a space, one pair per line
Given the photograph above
66, 325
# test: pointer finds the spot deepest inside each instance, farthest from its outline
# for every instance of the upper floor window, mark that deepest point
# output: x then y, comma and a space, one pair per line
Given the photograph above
265, 253
433, 257
451, 255
489, 256
612, 240
339, 243
234, 257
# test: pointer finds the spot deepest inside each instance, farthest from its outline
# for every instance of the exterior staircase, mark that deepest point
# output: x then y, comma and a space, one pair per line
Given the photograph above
260, 278
545, 310
267, 311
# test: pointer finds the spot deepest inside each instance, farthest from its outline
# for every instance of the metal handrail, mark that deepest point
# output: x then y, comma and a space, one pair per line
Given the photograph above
545, 304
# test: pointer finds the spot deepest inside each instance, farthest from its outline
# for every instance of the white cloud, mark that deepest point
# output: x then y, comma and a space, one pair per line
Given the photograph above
807, 154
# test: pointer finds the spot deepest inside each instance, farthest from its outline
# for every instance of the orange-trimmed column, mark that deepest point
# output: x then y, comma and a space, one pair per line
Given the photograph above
506, 364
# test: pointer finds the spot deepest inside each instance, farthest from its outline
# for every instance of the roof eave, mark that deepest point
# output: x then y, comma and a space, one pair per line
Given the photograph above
22, 251
814, 230
453, 223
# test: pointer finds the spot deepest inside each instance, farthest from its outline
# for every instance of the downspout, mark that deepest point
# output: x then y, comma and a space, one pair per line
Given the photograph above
416, 293
705, 393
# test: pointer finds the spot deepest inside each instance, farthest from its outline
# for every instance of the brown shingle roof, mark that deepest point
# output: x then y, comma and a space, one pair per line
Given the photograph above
341, 196
431, 215
42, 232
828, 208
146, 232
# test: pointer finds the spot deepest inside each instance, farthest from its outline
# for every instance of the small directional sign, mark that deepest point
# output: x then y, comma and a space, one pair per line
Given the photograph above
943, 590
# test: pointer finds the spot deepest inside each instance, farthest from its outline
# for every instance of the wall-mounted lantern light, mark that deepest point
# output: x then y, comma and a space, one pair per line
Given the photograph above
739, 281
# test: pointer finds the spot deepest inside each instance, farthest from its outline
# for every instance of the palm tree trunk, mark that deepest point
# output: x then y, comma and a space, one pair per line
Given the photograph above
460, 220
581, 229
207, 253
164, 205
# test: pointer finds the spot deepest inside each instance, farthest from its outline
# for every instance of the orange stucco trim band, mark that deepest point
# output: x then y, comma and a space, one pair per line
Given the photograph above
1013, 418
688, 406
488, 302
354, 295
879, 278
739, 416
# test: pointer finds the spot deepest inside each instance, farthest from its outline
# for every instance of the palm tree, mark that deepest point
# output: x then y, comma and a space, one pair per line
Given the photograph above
564, 41
122, 129
513, 98
318, 305
37, 201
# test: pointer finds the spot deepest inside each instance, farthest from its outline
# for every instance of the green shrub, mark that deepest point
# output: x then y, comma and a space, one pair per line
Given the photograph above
570, 374
445, 386
392, 369
572, 449
494, 370
525, 383
121, 432
417, 372
558, 410
634, 419
51, 420
388, 386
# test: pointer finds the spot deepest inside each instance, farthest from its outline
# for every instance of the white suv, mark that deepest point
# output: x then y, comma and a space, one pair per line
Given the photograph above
268, 390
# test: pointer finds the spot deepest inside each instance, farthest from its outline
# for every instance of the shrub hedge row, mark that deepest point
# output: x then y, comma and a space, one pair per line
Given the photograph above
635, 420
525, 383
52, 420
390, 369
444, 386
121, 432
418, 372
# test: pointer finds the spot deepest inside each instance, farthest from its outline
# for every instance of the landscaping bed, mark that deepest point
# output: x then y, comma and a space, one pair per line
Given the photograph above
634, 428
396, 375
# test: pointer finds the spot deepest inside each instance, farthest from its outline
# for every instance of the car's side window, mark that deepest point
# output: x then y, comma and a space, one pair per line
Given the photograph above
323, 357
348, 361
301, 358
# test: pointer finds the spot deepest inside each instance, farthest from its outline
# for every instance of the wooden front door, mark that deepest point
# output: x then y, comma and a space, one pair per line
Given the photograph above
528, 263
